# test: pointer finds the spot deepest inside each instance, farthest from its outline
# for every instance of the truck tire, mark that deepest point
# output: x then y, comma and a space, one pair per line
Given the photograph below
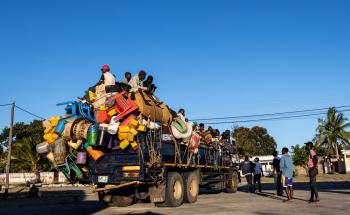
232, 184
174, 191
121, 201
191, 187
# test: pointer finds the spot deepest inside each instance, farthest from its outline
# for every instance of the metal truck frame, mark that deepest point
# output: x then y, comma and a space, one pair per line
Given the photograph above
162, 171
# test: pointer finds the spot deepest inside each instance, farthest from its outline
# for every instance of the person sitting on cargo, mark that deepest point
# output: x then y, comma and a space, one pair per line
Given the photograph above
127, 78
201, 128
181, 114
147, 83
136, 81
106, 78
210, 130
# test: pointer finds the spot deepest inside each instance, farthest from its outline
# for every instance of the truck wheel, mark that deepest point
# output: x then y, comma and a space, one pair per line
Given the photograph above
121, 201
174, 191
191, 185
232, 184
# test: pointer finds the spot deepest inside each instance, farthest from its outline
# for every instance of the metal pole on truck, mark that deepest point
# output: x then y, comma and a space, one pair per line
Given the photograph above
8, 163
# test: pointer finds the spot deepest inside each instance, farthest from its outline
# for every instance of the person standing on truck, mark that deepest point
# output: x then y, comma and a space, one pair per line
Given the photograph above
127, 78
313, 171
247, 171
286, 166
277, 173
136, 81
258, 172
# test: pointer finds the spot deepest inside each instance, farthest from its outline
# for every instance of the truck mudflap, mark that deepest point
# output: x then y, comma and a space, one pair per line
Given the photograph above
157, 193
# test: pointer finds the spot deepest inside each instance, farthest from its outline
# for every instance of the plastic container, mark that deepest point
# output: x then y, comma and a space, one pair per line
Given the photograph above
95, 154
92, 135
103, 137
60, 126
81, 158
42, 148
124, 129
133, 131
133, 123
103, 117
113, 126
123, 144
122, 136
141, 128
134, 145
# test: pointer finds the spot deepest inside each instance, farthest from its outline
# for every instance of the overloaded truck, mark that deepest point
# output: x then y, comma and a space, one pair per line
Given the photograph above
131, 146
162, 171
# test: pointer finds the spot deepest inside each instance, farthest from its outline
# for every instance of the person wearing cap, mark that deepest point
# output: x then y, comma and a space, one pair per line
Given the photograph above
127, 78
107, 78
313, 171
136, 81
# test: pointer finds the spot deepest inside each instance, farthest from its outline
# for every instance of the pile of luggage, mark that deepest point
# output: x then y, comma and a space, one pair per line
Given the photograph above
109, 117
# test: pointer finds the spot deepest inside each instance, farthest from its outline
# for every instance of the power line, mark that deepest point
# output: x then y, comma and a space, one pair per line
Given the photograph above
268, 114
30, 113
5, 105
267, 119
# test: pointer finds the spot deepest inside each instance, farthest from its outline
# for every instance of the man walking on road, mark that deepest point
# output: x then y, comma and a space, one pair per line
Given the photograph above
313, 171
257, 173
247, 170
286, 165
277, 173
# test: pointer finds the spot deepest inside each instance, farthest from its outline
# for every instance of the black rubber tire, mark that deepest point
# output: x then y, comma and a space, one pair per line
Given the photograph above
121, 201
174, 191
191, 187
100, 195
232, 184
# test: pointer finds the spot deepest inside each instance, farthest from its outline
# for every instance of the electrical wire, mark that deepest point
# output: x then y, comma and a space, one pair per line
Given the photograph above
268, 114
5, 105
30, 113
268, 119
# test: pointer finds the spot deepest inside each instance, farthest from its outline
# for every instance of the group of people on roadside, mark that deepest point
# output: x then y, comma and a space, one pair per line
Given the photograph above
253, 172
283, 170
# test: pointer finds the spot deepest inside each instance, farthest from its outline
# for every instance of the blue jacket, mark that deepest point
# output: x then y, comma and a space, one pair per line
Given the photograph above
286, 165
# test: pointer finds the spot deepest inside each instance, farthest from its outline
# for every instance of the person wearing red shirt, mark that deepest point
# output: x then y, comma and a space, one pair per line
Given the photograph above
313, 171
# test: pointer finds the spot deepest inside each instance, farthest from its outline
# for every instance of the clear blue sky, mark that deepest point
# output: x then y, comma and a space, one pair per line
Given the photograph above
213, 58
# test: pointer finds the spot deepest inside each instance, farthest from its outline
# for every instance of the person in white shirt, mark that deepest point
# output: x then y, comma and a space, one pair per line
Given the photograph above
136, 83
107, 78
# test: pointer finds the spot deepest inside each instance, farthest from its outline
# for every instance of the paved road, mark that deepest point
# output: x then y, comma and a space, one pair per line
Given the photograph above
335, 199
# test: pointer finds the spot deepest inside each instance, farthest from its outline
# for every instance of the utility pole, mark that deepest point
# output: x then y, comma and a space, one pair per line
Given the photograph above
8, 163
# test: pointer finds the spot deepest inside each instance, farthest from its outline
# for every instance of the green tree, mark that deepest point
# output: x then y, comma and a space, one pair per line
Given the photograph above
331, 132
24, 156
299, 155
254, 141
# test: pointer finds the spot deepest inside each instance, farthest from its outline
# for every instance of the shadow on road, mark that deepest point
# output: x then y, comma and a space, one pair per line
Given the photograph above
339, 187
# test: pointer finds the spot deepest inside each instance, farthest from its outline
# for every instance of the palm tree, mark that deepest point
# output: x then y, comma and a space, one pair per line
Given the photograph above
25, 157
331, 131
